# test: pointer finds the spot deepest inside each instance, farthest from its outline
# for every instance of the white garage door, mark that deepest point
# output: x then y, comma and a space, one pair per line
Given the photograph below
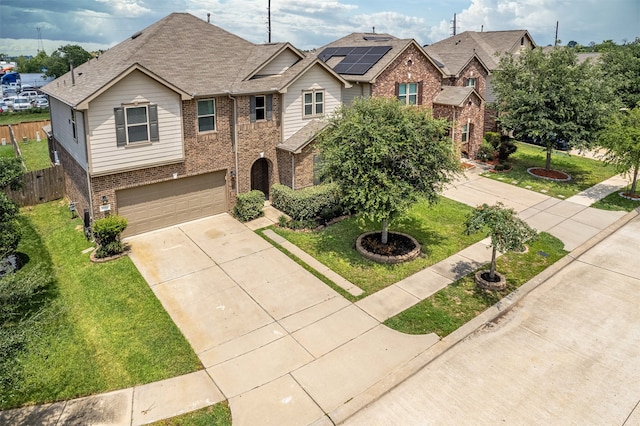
168, 203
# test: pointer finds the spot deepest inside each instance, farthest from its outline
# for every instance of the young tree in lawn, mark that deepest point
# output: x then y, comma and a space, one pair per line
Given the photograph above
384, 156
507, 231
621, 139
551, 96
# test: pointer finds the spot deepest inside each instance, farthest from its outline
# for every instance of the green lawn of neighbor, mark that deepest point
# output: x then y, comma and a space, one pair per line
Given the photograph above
35, 154
21, 117
6, 151
101, 327
585, 172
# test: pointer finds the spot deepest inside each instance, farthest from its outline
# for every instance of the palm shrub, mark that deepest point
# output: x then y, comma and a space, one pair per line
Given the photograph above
107, 234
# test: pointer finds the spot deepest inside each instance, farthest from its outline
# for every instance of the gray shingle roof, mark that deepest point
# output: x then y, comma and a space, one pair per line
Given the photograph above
304, 136
456, 51
372, 39
195, 57
454, 95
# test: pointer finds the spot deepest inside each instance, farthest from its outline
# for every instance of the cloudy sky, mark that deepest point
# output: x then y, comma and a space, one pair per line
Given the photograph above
100, 24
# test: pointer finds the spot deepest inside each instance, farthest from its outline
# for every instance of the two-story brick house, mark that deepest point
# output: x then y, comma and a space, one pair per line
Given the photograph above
382, 65
168, 126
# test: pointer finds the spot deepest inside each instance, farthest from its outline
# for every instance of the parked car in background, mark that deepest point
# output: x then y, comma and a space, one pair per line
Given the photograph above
3, 107
21, 104
8, 101
30, 94
42, 103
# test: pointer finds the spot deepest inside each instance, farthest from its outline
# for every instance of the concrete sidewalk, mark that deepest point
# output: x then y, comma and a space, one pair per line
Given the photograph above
276, 342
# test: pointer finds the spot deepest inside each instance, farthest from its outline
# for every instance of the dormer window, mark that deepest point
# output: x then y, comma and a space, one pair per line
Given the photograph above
470, 82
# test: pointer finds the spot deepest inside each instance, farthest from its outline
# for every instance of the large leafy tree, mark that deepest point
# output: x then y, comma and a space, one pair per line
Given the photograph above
63, 56
384, 156
621, 139
550, 96
621, 68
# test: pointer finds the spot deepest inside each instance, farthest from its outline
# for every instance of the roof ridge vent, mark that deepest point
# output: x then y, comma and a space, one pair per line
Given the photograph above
136, 35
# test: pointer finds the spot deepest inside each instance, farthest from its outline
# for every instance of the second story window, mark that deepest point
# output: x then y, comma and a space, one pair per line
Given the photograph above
313, 103
136, 124
206, 115
408, 93
470, 82
74, 129
261, 108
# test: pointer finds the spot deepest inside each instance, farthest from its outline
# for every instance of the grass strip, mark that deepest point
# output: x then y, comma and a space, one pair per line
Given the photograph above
458, 303
35, 154
615, 202
214, 415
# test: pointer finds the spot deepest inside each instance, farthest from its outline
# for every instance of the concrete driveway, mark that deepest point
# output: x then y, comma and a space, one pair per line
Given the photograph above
281, 345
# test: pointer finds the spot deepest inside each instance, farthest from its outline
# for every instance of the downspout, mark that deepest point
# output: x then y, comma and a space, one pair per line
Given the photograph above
453, 126
293, 171
87, 155
235, 139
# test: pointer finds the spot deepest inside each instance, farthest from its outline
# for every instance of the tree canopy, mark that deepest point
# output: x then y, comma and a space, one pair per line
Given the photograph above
10, 177
57, 64
621, 68
621, 140
551, 97
384, 156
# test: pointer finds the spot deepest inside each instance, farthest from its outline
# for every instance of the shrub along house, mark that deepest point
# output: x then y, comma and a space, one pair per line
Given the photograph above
167, 127
382, 65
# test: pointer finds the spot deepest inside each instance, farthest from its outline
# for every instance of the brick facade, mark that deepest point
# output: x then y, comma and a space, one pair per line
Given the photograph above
411, 66
76, 186
473, 113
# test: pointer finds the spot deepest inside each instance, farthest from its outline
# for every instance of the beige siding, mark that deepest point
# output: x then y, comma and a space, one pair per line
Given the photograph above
315, 78
362, 90
63, 131
280, 63
106, 157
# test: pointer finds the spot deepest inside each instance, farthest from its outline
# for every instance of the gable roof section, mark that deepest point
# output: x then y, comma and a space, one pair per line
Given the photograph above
303, 137
455, 95
457, 51
397, 46
183, 52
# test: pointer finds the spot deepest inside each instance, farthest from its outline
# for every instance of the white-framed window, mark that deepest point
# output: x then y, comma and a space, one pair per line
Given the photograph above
313, 103
136, 124
470, 82
206, 115
465, 133
408, 93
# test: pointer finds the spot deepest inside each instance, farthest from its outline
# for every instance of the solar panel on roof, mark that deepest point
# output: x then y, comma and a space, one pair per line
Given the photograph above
357, 60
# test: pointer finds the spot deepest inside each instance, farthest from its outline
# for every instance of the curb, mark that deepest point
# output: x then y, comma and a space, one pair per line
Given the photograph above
493, 313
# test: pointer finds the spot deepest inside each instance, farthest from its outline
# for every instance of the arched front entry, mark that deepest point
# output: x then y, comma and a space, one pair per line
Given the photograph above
260, 176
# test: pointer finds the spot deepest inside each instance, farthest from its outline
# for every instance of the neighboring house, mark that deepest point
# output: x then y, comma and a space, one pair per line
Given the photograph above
485, 48
172, 123
383, 65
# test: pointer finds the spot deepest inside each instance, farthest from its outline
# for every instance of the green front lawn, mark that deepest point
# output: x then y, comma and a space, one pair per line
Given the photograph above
460, 302
585, 172
104, 329
35, 154
438, 228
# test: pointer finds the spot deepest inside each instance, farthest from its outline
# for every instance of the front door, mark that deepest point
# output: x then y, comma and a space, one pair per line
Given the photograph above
260, 176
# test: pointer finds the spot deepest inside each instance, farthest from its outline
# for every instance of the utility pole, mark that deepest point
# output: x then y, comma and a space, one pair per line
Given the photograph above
454, 25
40, 44
555, 43
269, 18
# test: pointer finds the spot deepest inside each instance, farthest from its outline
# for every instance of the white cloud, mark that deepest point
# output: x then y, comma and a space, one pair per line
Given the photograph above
128, 8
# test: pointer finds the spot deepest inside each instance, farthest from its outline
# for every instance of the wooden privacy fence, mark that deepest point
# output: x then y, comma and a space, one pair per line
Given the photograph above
20, 130
40, 186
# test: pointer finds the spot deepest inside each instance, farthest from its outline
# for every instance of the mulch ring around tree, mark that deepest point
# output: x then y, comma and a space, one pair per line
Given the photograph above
630, 196
555, 175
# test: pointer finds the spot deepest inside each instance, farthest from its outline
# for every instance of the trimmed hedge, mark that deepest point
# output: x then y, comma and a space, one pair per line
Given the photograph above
308, 203
107, 234
249, 205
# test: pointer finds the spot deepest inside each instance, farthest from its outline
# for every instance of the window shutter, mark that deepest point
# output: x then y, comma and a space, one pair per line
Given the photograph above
252, 110
420, 92
121, 131
269, 106
154, 134
397, 89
